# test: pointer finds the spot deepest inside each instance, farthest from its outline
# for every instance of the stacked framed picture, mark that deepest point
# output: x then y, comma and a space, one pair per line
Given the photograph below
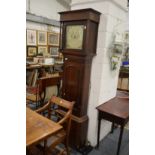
53, 39
31, 43
53, 42
31, 51
42, 43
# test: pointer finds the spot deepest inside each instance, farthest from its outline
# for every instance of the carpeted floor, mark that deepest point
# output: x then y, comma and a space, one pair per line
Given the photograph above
108, 146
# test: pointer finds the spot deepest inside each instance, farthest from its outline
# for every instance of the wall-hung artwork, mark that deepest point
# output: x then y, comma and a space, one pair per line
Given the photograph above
31, 37
54, 51
53, 39
42, 38
42, 50
31, 51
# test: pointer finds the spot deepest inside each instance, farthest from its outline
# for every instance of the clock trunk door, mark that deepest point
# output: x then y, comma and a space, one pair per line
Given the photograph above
73, 75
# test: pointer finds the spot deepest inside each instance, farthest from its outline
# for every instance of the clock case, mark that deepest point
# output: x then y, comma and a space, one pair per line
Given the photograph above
77, 69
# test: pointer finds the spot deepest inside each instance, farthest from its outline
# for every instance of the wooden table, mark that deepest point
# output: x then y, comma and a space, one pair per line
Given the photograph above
115, 110
38, 128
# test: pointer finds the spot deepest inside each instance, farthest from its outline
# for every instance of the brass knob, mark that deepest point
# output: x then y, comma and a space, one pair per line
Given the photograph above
66, 59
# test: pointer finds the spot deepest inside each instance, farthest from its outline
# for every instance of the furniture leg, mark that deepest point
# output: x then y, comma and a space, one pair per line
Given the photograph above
45, 143
112, 127
98, 133
120, 139
67, 146
27, 151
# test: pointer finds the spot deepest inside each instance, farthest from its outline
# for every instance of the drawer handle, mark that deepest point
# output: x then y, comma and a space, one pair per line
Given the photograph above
66, 59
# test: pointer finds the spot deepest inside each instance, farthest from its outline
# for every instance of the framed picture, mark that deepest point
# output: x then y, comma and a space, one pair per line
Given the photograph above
31, 51
42, 38
54, 51
31, 37
53, 39
42, 50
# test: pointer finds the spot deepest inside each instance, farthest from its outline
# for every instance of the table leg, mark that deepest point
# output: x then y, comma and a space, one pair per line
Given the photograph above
120, 139
98, 133
112, 127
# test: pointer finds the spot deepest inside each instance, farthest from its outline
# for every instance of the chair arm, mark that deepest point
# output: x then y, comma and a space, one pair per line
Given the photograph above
45, 107
64, 119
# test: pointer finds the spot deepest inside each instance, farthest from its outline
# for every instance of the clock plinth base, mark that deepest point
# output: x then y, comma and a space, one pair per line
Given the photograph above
84, 150
78, 132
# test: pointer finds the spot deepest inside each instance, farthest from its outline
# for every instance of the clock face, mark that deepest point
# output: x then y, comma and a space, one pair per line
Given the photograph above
74, 36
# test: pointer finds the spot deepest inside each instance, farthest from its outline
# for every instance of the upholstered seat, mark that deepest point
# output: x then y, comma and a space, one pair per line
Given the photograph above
36, 95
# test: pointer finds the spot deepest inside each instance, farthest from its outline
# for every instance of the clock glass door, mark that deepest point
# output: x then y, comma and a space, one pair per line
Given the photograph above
74, 36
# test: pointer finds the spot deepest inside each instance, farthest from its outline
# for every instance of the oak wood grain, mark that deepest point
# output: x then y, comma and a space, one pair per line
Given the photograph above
38, 128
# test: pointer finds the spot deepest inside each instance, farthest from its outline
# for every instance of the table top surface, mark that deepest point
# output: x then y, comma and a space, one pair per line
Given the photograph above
118, 106
39, 65
38, 127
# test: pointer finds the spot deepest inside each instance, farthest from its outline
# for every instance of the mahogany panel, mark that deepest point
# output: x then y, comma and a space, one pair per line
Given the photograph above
76, 83
82, 14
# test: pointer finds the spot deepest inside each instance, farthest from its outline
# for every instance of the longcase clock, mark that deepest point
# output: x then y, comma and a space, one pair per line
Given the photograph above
78, 39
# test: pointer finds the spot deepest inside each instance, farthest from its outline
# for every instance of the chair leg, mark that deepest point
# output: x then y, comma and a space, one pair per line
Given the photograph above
45, 151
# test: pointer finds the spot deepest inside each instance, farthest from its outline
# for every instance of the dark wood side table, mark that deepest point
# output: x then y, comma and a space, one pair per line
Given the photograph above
116, 111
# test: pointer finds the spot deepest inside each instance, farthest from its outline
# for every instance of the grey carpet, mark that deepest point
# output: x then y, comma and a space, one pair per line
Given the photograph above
108, 146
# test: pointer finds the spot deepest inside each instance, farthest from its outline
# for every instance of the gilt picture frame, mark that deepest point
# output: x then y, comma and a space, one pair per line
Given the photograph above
42, 38
53, 39
42, 50
31, 51
31, 36
54, 51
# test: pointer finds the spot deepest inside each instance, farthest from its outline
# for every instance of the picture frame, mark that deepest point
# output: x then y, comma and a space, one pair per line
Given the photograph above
31, 51
53, 39
31, 36
42, 50
42, 38
54, 51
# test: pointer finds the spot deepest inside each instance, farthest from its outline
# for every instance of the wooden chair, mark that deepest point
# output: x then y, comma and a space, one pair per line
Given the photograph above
60, 111
36, 95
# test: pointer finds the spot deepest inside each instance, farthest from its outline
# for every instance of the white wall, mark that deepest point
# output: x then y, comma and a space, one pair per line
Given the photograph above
103, 79
45, 8
42, 27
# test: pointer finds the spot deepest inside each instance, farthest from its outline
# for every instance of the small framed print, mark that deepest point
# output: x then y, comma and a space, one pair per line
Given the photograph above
54, 51
42, 50
42, 38
53, 39
31, 51
31, 37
